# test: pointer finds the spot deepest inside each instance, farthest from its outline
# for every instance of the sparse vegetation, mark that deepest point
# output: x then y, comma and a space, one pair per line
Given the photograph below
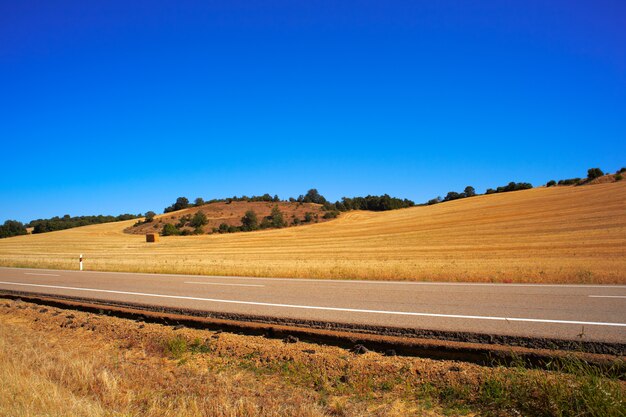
95, 365
551, 183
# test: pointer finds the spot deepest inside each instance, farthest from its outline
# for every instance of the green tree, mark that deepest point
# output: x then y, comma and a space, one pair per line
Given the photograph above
249, 221
198, 220
150, 216
469, 191
312, 196
276, 218
551, 183
593, 173
199, 202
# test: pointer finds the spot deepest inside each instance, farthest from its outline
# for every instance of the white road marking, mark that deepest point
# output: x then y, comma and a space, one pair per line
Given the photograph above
47, 275
223, 283
343, 281
607, 296
351, 310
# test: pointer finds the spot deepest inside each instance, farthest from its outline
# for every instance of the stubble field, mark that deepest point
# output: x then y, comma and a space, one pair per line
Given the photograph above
550, 235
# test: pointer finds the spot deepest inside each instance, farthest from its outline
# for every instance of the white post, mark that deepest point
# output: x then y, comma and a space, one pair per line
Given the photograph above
80, 262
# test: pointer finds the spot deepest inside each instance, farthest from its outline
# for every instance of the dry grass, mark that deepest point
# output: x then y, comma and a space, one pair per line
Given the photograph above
59, 362
558, 234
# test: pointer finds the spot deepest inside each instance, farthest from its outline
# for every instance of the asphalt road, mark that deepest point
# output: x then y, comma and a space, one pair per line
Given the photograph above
598, 312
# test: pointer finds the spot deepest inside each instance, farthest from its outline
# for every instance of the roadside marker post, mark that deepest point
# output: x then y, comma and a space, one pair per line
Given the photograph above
80, 262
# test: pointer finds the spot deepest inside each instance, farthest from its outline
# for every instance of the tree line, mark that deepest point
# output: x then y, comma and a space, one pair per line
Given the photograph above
68, 222
370, 202
592, 174
12, 228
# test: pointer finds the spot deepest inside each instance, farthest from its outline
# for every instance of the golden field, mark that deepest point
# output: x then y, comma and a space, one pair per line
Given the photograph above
558, 234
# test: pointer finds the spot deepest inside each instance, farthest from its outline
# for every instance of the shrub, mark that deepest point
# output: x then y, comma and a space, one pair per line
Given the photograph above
330, 214
621, 170
199, 201
276, 218
434, 201
170, 230
569, 181
223, 228
308, 217
551, 183
249, 221
593, 173
199, 219
619, 177
182, 222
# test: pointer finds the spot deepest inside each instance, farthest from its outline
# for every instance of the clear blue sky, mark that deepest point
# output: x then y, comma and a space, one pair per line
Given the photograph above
116, 106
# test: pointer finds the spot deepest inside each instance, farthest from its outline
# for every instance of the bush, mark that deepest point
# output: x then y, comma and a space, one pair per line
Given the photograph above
308, 217
619, 177
570, 181
199, 202
551, 183
199, 219
276, 218
621, 170
223, 228
432, 201
249, 221
593, 173
170, 230
330, 214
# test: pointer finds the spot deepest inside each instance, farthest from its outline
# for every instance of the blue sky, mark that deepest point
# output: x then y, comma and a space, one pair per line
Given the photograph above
113, 107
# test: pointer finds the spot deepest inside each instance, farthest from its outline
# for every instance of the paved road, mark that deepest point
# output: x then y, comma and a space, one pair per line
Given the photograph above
554, 311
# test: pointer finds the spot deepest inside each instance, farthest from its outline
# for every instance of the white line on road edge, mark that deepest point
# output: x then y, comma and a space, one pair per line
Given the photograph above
223, 283
607, 296
47, 275
351, 310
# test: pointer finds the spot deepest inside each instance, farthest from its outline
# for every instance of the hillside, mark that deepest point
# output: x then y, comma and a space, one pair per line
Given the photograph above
555, 234
231, 214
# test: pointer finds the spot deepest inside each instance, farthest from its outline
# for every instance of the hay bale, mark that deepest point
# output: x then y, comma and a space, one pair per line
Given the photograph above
152, 237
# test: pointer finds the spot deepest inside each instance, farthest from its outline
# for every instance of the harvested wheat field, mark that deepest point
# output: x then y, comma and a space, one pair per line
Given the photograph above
557, 234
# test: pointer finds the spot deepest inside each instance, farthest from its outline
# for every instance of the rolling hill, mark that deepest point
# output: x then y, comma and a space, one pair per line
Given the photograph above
556, 234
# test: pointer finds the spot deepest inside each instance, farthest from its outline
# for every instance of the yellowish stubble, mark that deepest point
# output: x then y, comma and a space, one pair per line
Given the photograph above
559, 234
